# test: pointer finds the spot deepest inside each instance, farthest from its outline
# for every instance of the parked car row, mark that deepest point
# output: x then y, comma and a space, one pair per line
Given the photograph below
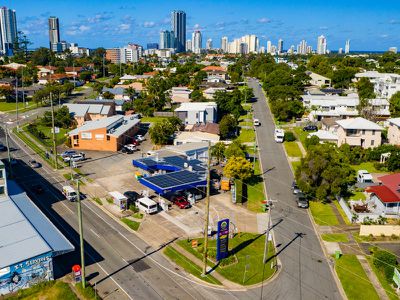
301, 198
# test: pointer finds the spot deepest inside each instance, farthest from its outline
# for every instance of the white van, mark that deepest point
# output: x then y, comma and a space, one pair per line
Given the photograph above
69, 193
363, 176
279, 135
147, 205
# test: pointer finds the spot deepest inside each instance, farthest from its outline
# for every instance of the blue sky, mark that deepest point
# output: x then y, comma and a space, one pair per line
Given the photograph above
370, 25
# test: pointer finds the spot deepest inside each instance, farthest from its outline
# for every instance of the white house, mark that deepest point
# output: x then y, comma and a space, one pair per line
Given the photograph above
385, 84
180, 94
335, 106
210, 92
318, 80
197, 112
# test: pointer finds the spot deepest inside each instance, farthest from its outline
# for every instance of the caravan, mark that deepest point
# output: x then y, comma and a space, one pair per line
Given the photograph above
279, 135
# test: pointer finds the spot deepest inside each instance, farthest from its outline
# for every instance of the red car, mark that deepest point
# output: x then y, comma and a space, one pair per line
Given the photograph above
135, 142
181, 202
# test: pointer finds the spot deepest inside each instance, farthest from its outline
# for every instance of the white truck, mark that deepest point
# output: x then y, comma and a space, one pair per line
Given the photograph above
363, 176
69, 193
279, 135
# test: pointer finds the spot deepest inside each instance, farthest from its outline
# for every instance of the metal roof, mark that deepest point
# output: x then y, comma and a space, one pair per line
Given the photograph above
25, 232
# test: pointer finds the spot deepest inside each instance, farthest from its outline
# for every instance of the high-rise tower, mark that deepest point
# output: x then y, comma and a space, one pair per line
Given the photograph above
178, 24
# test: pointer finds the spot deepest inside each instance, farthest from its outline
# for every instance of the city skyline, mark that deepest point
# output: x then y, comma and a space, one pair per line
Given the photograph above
376, 28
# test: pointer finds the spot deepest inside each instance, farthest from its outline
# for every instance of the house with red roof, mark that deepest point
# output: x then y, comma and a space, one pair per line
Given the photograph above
386, 196
215, 72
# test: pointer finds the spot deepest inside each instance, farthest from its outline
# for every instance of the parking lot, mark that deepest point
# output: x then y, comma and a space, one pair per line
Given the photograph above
108, 172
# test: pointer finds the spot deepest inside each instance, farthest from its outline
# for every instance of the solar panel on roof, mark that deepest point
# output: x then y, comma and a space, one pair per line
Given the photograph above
174, 179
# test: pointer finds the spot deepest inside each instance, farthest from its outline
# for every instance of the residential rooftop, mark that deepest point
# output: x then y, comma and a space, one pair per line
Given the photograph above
358, 123
196, 106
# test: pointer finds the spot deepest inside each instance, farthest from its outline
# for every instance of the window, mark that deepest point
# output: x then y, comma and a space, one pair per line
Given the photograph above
373, 132
372, 142
86, 135
363, 131
108, 137
99, 137
350, 132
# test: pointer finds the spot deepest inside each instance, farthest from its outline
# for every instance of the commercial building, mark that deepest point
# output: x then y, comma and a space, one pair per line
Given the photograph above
347, 47
113, 55
8, 27
197, 112
280, 46
178, 23
28, 240
152, 46
54, 34
106, 134
167, 39
224, 44
209, 44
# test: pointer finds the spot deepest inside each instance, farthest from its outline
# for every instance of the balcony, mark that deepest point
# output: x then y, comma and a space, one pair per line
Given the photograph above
354, 140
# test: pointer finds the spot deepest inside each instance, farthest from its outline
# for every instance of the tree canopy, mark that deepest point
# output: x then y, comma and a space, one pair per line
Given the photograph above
238, 168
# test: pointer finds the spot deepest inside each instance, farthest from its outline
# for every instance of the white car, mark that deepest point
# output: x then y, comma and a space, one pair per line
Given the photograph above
256, 122
139, 138
75, 157
130, 147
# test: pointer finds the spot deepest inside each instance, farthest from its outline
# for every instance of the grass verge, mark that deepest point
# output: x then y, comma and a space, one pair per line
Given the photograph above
246, 136
255, 191
10, 107
188, 265
300, 135
97, 200
131, 224
44, 290
292, 149
295, 164
248, 249
323, 214
335, 237
390, 292
354, 280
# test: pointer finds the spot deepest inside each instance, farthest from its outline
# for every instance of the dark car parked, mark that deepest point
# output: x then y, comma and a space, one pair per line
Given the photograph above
301, 200
310, 128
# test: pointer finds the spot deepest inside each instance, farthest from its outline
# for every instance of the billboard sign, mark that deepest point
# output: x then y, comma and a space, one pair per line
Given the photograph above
222, 239
396, 277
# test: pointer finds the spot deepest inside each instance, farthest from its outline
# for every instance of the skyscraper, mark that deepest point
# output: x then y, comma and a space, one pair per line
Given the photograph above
54, 34
197, 42
167, 39
224, 44
188, 45
252, 43
209, 44
8, 27
269, 46
280, 46
178, 24
321, 45
347, 47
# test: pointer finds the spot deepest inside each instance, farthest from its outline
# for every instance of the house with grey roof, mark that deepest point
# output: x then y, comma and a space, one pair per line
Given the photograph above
83, 112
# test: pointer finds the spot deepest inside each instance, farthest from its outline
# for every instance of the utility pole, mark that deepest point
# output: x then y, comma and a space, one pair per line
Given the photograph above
16, 99
104, 70
54, 132
73, 71
23, 91
81, 235
207, 212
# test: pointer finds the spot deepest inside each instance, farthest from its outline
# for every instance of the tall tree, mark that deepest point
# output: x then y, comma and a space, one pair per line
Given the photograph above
365, 90
238, 168
394, 105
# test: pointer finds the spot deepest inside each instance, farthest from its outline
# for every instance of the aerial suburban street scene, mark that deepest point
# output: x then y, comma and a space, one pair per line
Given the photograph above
199, 150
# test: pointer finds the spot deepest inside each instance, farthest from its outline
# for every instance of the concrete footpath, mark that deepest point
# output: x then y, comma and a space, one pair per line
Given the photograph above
372, 277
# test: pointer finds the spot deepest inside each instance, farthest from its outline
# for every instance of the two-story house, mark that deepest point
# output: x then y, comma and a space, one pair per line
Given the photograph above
394, 131
197, 112
358, 132
90, 112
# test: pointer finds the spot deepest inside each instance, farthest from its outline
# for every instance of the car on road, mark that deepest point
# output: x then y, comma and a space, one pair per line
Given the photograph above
256, 122
68, 153
295, 188
75, 157
301, 200
310, 128
34, 164
37, 189
129, 149
139, 138
181, 202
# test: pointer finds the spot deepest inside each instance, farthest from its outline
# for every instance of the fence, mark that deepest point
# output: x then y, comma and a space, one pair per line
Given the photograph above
378, 230
345, 208
360, 216
163, 113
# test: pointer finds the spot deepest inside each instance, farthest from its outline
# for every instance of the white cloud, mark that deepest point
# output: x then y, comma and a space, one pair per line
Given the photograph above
149, 24
84, 28
124, 27
384, 36
264, 20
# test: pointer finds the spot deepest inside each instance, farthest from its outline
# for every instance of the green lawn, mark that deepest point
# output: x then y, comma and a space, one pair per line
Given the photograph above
323, 214
358, 196
340, 209
369, 166
335, 237
51, 290
248, 249
48, 142
246, 136
300, 134
152, 119
292, 149
354, 280
10, 106
382, 279
255, 192
188, 265
131, 224
295, 164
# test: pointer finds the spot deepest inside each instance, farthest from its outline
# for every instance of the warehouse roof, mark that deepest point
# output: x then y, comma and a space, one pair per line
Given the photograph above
25, 232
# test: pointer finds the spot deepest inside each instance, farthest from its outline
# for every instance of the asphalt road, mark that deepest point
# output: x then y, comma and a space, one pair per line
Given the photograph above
305, 272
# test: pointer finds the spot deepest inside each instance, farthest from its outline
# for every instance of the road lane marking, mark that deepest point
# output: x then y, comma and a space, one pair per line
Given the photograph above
95, 233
